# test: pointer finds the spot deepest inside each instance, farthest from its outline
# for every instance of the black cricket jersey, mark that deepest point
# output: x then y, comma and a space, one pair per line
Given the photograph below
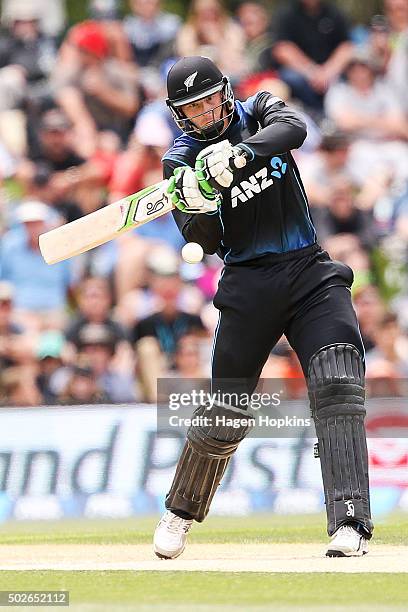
265, 210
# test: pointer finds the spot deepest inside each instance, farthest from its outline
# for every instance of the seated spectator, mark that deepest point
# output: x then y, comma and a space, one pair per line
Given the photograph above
55, 173
188, 362
97, 346
254, 20
94, 297
343, 217
397, 72
16, 347
27, 56
208, 30
107, 13
370, 309
151, 32
389, 357
364, 107
18, 387
49, 354
156, 336
96, 91
140, 164
82, 387
396, 15
168, 324
40, 290
23, 44
378, 44
312, 47
320, 169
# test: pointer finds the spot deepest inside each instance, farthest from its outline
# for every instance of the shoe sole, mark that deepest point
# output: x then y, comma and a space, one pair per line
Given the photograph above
166, 557
340, 553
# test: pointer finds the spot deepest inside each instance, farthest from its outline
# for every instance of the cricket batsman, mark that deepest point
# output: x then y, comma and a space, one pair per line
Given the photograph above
277, 280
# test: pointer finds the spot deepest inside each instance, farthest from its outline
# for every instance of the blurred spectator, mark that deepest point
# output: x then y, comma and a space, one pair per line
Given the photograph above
188, 361
96, 91
140, 164
370, 309
52, 13
95, 298
26, 60
168, 324
107, 12
319, 170
378, 44
396, 14
156, 336
254, 20
24, 45
55, 173
82, 387
40, 289
97, 346
365, 107
18, 387
151, 32
343, 217
49, 354
15, 345
210, 31
397, 73
312, 47
389, 358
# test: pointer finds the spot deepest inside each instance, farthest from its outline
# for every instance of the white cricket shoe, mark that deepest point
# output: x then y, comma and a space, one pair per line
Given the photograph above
347, 542
171, 535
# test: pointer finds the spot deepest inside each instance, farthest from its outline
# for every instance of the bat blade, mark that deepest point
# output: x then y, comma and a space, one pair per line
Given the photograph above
105, 224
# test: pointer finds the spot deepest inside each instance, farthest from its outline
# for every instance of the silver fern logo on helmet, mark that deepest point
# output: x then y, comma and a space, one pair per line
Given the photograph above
189, 82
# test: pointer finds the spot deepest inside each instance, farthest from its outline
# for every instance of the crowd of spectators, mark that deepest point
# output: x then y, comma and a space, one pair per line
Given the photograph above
83, 122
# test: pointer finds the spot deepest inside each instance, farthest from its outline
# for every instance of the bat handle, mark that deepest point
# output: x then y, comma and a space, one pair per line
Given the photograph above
240, 159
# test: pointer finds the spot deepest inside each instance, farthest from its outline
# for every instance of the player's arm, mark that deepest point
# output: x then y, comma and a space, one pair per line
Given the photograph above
282, 129
206, 229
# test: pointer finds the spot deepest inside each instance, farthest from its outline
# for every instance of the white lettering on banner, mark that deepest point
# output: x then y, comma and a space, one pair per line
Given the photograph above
114, 455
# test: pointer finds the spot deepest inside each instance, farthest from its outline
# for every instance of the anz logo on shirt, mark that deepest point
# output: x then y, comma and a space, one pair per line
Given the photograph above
261, 180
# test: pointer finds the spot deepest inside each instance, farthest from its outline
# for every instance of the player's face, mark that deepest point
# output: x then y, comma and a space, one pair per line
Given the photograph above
203, 113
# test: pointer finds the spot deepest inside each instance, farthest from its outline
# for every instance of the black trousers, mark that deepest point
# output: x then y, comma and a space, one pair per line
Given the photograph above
303, 294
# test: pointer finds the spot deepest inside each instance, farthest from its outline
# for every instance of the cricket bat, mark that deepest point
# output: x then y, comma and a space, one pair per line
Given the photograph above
109, 222
105, 224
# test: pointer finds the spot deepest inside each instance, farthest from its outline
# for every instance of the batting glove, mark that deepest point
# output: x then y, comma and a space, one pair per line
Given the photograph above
215, 165
186, 195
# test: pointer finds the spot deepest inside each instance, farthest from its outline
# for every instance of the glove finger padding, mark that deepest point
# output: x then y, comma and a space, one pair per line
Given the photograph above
214, 165
185, 193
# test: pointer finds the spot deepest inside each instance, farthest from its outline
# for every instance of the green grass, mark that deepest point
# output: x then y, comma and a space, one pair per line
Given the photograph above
126, 591
257, 528
221, 589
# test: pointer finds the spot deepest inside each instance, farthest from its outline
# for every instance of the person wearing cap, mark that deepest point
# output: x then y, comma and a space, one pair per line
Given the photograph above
40, 290
97, 91
365, 107
24, 43
237, 191
320, 169
97, 344
54, 172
